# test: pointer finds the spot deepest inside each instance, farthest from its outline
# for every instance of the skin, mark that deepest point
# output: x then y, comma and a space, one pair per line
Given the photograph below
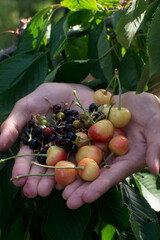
143, 134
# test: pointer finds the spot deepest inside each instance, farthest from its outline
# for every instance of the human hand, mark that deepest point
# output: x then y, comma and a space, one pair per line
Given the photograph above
35, 103
143, 134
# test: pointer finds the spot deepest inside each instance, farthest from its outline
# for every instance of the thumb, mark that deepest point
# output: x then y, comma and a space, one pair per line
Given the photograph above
11, 127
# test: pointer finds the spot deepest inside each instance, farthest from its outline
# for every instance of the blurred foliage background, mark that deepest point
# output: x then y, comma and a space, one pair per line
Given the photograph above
11, 11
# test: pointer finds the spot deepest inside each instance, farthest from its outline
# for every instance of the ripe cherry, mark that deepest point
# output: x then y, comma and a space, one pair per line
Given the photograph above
119, 145
82, 139
102, 145
65, 177
101, 131
102, 97
119, 132
119, 118
55, 154
89, 151
91, 169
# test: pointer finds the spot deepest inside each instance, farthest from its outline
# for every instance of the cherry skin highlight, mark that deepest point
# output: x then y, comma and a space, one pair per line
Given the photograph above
65, 177
119, 145
55, 154
89, 151
101, 131
91, 169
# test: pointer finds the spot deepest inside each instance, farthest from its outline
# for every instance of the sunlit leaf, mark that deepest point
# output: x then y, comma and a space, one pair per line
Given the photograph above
154, 44
80, 4
143, 219
130, 22
32, 36
149, 189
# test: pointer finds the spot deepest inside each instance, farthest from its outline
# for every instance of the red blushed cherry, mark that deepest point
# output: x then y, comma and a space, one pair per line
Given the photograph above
119, 132
65, 177
119, 118
102, 145
102, 97
101, 131
84, 139
89, 151
91, 169
55, 154
119, 145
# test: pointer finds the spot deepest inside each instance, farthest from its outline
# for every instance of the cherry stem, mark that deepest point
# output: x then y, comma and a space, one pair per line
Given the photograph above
120, 89
105, 92
23, 155
28, 175
106, 160
78, 102
114, 86
56, 167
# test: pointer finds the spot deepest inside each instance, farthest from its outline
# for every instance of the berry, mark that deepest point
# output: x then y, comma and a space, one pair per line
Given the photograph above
31, 123
33, 144
70, 119
71, 135
74, 112
41, 160
38, 130
56, 107
47, 132
25, 140
93, 107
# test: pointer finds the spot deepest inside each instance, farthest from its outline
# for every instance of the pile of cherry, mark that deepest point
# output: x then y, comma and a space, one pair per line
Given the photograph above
92, 136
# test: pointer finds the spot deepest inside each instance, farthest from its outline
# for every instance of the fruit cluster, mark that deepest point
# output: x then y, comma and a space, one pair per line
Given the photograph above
92, 136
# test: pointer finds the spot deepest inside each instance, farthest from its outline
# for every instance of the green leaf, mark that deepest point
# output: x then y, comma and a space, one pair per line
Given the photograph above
71, 72
158, 181
62, 222
17, 229
77, 48
154, 84
98, 48
130, 22
108, 232
17, 66
149, 189
80, 4
143, 219
58, 36
33, 35
130, 70
112, 211
154, 44
143, 80
25, 82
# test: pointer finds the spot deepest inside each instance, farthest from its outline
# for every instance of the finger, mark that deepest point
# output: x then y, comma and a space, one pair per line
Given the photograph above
12, 127
75, 200
46, 184
153, 157
22, 165
71, 188
153, 145
30, 188
110, 177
